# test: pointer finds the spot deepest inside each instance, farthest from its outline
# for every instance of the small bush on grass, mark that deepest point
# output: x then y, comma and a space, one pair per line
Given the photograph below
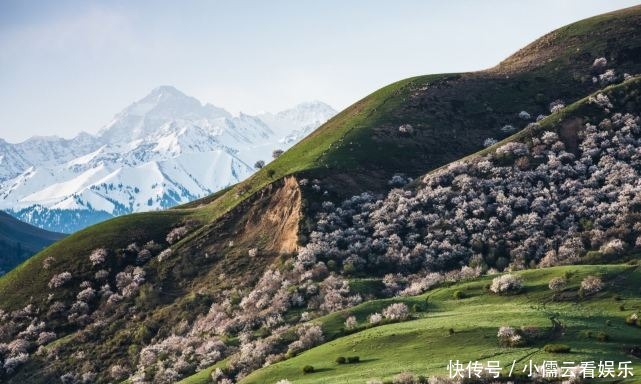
590, 286
353, 359
510, 337
341, 360
458, 295
308, 369
557, 348
558, 284
507, 284
602, 336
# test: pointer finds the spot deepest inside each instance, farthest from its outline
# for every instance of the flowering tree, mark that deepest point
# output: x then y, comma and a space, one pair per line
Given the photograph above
600, 62
375, 318
557, 284
59, 280
351, 323
509, 337
396, 311
506, 284
98, 256
591, 285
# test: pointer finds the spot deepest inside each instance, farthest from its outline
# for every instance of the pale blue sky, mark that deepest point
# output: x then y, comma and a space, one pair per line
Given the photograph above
69, 66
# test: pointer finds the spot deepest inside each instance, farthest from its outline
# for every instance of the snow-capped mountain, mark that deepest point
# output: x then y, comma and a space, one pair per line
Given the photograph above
298, 122
163, 150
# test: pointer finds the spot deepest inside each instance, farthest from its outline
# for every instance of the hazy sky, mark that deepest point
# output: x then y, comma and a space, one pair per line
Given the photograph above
69, 66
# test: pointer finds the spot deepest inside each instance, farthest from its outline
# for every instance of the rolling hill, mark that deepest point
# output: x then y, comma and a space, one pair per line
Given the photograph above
251, 276
19, 241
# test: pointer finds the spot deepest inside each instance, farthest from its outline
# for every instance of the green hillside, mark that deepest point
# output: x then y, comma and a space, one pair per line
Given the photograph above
424, 345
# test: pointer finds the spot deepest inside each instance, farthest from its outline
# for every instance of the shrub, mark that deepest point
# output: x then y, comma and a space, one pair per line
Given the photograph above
351, 323
375, 318
557, 348
176, 234
509, 337
458, 295
632, 319
59, 279
308, 369
259, 164
404, 378
406, 128
309, 336
165, 254
613, 248
277, 152
600, 62
11, 363
608, 77
489, 142
353, 359
602, 336
341, 360
118, 372
98, 256
396, 311
507, 283
591, 285
558, 284
556, 106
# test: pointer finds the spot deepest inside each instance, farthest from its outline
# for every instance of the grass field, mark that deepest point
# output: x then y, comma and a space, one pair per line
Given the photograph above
425, 345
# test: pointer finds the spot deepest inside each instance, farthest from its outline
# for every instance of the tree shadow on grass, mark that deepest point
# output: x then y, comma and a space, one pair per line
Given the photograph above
318, 370
367, 360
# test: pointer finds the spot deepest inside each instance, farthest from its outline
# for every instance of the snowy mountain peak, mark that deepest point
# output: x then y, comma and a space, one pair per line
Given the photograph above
144, 118
164, 149
308, 112
166, 91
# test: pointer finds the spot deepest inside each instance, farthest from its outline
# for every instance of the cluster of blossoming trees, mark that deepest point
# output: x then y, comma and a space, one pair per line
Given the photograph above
534, 203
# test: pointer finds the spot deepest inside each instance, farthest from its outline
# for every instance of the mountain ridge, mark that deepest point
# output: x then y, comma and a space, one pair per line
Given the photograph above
19, 241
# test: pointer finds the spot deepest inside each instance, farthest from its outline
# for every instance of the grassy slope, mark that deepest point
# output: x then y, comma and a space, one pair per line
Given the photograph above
20, 240
425, 346
29, 279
